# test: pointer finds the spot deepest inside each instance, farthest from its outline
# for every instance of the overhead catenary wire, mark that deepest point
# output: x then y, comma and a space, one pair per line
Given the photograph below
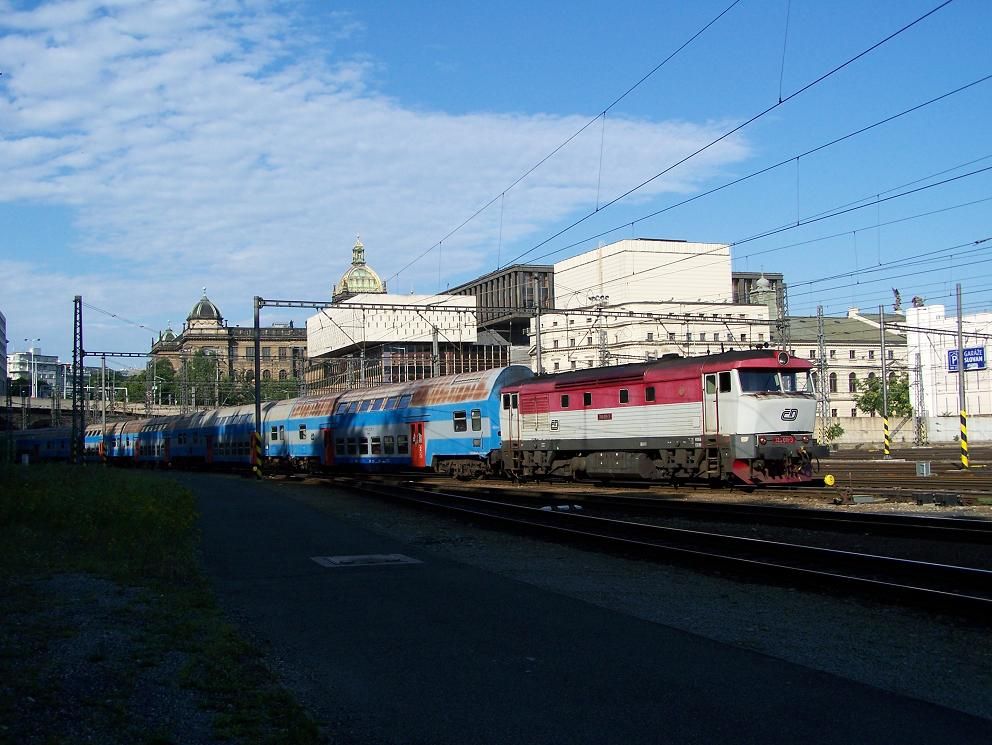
569, 139
736, 129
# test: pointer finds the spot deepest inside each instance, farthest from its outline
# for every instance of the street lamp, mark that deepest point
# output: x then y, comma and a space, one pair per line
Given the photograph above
33, 369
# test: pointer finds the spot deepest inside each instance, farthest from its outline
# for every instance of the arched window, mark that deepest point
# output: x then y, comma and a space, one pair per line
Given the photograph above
833, 382
266, 375
892, 378
249, 375
852, 383
871, 377
282, 375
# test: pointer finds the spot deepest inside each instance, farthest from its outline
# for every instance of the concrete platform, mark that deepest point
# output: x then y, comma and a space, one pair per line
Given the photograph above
442, 652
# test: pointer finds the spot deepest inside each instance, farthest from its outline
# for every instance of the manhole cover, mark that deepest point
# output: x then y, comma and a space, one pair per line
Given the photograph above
362, 561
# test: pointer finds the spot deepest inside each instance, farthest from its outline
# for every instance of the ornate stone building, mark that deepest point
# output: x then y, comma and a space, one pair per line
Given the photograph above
284, 348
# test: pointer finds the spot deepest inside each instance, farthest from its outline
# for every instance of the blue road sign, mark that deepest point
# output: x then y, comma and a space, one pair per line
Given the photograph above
974, 359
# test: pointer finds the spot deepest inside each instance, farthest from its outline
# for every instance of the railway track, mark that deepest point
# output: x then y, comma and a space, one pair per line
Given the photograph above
936, 585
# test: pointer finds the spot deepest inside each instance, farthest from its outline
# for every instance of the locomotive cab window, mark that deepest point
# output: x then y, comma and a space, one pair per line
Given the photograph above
564, 401
759, 381
710, 384
624, 396
725, 382
797, 381
649, 393
460, 422
506, 401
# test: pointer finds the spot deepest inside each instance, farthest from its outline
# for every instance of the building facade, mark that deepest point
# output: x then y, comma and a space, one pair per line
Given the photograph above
505, 299
932, 351
640, 299
45, 374
851, 353
368, 340
283, 348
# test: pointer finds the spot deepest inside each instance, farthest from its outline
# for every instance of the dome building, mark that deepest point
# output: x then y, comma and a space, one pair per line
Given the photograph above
283, 347
360, 279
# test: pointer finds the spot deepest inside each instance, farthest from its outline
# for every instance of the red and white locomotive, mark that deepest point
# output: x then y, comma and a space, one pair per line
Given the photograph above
736, 417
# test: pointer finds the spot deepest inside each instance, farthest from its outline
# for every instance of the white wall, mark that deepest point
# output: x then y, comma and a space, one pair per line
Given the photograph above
636, 270
867, 431
338, 327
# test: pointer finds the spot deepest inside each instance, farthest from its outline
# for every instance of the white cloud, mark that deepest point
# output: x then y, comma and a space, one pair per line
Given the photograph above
208, 143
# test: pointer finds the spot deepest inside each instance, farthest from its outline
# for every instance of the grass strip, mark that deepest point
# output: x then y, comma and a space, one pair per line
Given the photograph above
110, 631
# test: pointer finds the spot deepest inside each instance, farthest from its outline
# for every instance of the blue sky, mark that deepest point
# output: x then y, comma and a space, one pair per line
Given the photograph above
150, 149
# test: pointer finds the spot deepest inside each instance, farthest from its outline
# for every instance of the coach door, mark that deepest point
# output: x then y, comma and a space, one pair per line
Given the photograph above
711, 405
511, 417
418, 448
328, 453
210, 448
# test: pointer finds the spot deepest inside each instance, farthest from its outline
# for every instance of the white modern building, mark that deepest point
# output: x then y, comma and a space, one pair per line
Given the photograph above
405, 319
639, 299
932, 345
44, 371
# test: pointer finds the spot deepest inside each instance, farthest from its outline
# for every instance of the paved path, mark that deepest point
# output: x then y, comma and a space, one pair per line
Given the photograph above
440, 652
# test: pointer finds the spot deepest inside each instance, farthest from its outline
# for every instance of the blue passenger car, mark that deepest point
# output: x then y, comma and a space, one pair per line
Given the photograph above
448, 424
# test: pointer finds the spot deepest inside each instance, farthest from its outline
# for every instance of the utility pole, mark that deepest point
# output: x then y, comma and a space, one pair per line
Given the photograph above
961, 387
604, 336
537, 324
887, 439
784, 332
823, 388
103, 396
921, 407
435, 353
78, 402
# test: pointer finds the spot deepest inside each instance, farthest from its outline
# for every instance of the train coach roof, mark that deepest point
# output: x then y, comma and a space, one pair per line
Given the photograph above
660, 368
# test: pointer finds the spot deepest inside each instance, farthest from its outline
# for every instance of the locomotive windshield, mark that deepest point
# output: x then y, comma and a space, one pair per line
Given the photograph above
774, 381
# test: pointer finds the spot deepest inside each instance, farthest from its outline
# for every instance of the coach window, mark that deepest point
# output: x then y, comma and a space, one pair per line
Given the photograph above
376, 405
352, 446
461, 424
388, 444
402, 444
476, 420
649, 393
624, 396
303, 431
391, 403
376, 446
564, 401
364, 443
587, 399
366, 405
725, 382
341, 409
339, 446
404, 401
274, 434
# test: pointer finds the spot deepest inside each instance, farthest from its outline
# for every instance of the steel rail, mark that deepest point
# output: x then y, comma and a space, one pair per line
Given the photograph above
943, 586
922, 527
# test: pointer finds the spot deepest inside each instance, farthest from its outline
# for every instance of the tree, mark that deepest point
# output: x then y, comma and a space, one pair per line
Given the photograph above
870, 399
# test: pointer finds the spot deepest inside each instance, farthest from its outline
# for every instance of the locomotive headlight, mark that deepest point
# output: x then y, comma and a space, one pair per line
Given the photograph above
805, 438
762, 440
